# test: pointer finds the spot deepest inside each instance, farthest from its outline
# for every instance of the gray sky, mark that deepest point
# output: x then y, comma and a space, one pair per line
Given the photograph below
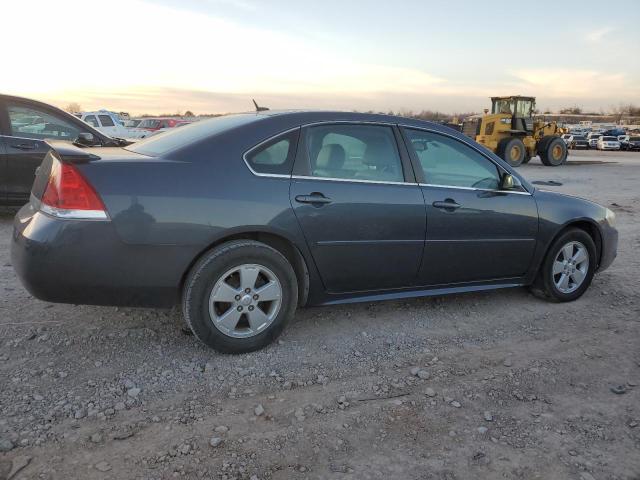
215, 55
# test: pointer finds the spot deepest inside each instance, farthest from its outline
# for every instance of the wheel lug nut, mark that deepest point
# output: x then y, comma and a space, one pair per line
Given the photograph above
256, 297
251, 308
247, 290
239, 309
237, 297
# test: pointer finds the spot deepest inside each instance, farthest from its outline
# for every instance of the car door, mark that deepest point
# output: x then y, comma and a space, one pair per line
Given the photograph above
359, 207
29, 126
475, 230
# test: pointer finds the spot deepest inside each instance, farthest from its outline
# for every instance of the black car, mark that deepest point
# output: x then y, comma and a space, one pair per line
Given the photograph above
633, 143
25, 125
243, 218
579, 142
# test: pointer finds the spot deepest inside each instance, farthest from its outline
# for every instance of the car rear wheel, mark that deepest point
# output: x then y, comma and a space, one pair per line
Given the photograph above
239, 296
568, 268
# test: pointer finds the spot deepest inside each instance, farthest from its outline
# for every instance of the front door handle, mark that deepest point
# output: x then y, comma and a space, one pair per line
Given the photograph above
24, 146
449, 204
317, 198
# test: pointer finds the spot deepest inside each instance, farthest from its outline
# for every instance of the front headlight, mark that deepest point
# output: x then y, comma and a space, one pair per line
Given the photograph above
610, 217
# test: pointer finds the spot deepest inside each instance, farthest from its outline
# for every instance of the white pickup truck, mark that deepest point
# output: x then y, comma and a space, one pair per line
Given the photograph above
110, 124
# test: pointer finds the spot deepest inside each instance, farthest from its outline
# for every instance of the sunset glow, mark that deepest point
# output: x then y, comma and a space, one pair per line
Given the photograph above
214, 56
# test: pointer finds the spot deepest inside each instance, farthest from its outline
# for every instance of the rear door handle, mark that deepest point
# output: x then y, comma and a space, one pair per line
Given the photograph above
448, 204
313, 198
24, 146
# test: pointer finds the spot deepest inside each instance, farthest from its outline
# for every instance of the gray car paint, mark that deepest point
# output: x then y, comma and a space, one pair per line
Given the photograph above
166, 211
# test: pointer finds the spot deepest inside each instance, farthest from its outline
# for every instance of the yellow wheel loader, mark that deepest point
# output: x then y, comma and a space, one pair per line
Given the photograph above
511, 131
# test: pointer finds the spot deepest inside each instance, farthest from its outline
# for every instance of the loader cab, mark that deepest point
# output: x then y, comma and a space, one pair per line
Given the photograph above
520, 109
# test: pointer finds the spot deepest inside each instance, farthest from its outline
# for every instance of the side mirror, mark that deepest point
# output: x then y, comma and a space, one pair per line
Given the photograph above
508, 182
85, 138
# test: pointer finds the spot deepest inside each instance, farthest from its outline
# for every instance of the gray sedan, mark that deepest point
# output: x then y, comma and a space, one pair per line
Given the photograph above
244, 218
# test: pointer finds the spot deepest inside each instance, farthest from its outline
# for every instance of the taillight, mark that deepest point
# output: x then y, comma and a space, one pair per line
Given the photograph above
69, 195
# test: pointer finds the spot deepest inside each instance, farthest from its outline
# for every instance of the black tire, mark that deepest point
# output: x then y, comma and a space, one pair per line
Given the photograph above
553, 151
512, 151
211, 268
545, 286
527, 158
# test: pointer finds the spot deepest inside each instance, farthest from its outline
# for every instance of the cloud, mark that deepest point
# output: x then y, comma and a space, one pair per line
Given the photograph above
568, 83
596, 35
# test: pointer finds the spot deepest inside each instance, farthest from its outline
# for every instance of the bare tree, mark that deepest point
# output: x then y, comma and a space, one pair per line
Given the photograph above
74, 107
575, 110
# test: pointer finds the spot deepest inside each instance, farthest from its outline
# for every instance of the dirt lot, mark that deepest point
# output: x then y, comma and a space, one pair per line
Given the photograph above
487, 385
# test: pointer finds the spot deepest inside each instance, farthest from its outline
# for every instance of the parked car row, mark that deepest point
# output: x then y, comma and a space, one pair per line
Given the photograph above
600, 141
111, 124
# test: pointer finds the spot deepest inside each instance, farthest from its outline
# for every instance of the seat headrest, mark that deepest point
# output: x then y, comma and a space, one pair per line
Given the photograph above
331, 156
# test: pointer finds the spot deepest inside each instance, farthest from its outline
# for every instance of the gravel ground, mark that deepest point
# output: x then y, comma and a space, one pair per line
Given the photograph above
487, 385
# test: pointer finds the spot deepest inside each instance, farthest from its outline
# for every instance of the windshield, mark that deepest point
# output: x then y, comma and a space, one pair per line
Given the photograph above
502, 106
609, 139
178, 137
634, 139
578, 138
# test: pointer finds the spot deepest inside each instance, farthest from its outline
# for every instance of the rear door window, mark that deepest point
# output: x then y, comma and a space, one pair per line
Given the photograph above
354, 152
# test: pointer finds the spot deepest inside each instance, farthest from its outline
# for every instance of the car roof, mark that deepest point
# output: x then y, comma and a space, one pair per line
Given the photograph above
311, 116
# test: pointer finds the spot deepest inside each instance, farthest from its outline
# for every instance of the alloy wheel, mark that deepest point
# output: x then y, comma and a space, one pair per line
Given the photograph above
245, 300
570, 267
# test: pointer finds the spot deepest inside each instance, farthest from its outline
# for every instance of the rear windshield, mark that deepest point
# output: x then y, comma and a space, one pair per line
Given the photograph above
178, 137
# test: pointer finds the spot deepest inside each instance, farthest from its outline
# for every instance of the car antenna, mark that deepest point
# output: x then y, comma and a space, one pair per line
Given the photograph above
259, 109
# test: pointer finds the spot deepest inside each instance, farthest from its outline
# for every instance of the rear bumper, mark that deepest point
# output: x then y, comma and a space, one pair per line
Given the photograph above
85, 262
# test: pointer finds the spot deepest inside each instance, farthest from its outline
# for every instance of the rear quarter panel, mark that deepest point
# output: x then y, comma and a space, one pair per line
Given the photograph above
194, 198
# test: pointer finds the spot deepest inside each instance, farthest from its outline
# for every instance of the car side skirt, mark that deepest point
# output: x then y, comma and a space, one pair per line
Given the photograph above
336, 299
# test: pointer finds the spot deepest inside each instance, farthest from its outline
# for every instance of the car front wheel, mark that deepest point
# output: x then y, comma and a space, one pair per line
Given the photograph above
568, 268
239, 296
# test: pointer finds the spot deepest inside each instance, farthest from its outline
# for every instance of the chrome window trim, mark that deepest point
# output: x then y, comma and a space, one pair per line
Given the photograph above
300, 127
474, 189
352, 180
473, 147
255, 147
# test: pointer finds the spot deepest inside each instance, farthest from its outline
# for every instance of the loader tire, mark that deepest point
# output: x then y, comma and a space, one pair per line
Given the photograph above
512, 151
553, 151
